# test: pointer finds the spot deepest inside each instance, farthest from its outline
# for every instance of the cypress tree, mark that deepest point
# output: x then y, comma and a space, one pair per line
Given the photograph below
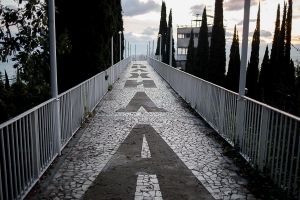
289, 64
284, 77
264, 77
217, 57
168, 42
270, 72
275, 37
7, 86
189, 65
252, 70
163, 27
288, 32
202, 53
232, 78
281, 40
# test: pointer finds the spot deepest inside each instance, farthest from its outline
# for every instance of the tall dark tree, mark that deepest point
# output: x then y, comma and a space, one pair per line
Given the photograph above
170, 27
252, 70
268, 73
275, 37
189, 65
289, 69
163, 28
7, 85
265, 79
87, 49
3, 106
283, 80
217, 56
232, 78
202, 53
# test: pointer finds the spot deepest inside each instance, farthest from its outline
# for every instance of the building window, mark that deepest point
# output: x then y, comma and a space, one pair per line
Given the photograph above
180, 35
182, 51
196, 35
187, 35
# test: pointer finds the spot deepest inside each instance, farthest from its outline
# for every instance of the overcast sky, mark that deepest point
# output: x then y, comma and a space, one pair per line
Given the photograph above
141, 19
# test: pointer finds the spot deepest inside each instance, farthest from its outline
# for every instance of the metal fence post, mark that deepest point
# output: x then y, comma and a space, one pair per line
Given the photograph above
36, 145
222, 112
58, 125
263, 135
241, 103
171, 46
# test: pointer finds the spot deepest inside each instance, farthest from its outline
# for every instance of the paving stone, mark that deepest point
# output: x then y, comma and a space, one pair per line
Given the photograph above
186, 134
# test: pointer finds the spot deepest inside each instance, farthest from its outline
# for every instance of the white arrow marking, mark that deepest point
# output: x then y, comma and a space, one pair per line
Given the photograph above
145, 153
147, 187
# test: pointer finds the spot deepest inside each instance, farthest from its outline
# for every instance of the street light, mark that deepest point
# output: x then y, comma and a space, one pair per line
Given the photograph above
112, 50
120, 33
53, 64
241, 103
159, 37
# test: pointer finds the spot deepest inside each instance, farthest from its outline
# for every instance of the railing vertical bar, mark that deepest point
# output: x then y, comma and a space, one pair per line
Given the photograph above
41, 138
1, 184
251, 132
17, 154
26, 144
283, 152
271, 141
288, 152
257, 127
21, 139
36, 144
5, 173
71, 114
274, 146
278, 150
247, 128
296, 179
15, 184
47, 131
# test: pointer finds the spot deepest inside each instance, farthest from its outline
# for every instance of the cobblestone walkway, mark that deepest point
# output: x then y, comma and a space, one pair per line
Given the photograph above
146, 99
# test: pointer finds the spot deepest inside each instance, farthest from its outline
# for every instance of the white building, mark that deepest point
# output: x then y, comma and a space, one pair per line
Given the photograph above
183, 38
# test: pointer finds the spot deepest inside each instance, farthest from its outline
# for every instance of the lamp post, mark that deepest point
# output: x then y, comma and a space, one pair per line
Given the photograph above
241, 103
120, 33
159, 37
171, 46
125, 49
112, 50
53, 64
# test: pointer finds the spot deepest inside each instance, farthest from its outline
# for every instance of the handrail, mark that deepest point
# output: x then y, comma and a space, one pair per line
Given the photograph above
29, 142
269, 137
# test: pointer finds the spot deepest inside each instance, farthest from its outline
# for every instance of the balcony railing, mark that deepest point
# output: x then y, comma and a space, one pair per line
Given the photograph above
29, 142
270, 139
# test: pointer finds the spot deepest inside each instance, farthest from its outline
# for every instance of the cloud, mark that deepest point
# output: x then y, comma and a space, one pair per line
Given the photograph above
233, 5
150, 31
136, 7
251, 21
197, 9
265, 33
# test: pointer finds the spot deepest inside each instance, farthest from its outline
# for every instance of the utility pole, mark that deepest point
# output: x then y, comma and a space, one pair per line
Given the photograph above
53, 64
171, 46
112, 50
120, 33
241, 102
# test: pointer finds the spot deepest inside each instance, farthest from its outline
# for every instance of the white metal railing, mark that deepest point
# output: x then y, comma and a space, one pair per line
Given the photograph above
29, 142
270, 139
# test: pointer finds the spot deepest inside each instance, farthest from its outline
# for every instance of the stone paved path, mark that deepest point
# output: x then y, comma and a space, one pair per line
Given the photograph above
142, 98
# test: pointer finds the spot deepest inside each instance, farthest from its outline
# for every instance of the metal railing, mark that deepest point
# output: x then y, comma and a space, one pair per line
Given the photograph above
29, 142
270, 139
